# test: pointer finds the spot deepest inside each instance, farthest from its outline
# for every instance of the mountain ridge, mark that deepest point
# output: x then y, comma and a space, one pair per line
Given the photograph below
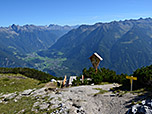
78, 44
124, 45
41, 36
22, 40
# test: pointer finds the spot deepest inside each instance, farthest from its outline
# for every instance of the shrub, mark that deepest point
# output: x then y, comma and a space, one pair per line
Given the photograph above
104, 75
144, 77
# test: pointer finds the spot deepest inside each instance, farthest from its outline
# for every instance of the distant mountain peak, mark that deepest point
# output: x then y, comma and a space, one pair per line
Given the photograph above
15, 27
59, 27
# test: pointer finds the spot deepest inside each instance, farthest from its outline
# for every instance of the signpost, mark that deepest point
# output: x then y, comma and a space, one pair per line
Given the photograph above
131, 80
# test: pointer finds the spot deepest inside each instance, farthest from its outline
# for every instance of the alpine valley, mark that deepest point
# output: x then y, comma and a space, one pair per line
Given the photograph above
65, 50
18, 43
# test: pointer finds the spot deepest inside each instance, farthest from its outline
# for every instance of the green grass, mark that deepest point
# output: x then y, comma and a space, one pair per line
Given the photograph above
138, 91
10, 83
101, 91
12, 107
16, 82
121, 92
103, 83
26, 104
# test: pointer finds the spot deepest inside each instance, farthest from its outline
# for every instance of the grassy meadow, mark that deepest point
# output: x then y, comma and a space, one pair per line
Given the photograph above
10, 83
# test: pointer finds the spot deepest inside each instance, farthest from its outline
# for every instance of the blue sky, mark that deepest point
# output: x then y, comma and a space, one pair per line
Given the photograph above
71, 12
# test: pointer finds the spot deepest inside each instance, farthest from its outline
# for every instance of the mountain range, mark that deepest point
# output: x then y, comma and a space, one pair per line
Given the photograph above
17, 41
123, 45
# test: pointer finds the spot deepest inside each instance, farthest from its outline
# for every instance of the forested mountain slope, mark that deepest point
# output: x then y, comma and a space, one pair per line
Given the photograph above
124, 45
18, 41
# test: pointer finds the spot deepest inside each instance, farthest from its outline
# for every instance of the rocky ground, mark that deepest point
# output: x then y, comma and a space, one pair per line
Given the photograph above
74, 100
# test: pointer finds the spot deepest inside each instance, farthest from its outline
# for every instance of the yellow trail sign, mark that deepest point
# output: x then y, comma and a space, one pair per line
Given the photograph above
131, 77
131, 80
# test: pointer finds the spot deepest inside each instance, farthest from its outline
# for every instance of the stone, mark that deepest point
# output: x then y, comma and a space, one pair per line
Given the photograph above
145, 108
75, 105
54, 106
21, 112
15, 100
36, 104
19, 97
44, 106
143, 102
39, 92
27, 92
9, 96
1, 101
60, 104
134, 109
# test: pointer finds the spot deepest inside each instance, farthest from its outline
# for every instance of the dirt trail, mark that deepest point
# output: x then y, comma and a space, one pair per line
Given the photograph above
108, 103
74, 100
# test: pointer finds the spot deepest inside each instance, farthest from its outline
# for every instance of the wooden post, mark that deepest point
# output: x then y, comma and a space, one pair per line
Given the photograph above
131, 81
96, 70
64, 81
82, 78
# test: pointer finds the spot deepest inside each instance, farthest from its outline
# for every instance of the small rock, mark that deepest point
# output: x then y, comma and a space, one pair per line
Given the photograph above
44, 106
54, 106
15, 100
39, 92
36, 104
20, 112
80, 91
18, 97
1, 101
27, 92
145, 108
9, 96
75, 105
60, 104
143, 102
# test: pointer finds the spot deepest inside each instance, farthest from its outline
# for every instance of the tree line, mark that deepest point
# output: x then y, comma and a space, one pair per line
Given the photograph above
29, 72
144, 77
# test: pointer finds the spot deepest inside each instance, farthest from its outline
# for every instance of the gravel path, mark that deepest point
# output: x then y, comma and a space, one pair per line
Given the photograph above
108, 103
75, 100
